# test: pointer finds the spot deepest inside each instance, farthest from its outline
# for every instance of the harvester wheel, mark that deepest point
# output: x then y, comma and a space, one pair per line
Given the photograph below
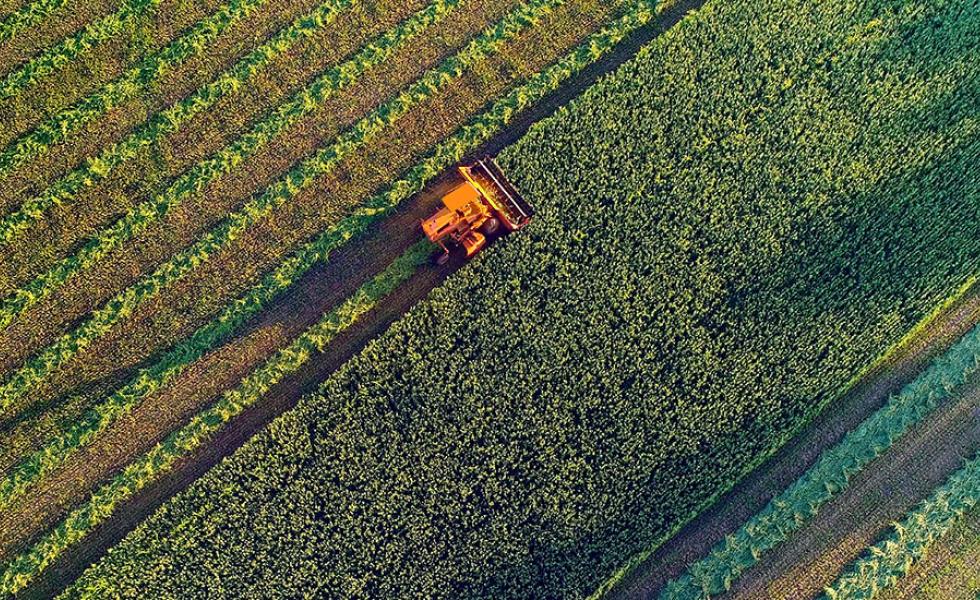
490, 226
440, 258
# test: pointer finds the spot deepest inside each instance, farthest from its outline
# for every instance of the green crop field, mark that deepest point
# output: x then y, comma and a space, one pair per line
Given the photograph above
756, 210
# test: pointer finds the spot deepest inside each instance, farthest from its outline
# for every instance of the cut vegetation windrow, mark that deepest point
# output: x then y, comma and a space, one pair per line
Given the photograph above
298, 178
70, 121
27, 16
168, 121
883, 564
61, 54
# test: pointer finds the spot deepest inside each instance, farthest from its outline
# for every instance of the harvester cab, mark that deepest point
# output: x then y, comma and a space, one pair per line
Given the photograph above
482, 205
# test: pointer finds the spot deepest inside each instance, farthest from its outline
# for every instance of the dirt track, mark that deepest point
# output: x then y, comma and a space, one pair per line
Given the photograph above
317, 292
792, 460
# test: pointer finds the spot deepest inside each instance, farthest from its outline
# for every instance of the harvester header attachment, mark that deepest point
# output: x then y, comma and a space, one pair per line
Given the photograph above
476, 209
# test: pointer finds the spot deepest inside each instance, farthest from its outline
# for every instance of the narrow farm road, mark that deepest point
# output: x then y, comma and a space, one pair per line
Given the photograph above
310, 298
750, 495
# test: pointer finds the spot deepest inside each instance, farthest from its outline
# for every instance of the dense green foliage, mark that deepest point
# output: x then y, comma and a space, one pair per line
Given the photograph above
890, 559
728, 230
481, 128
830, 475
171, 119
158, 462
300, 177
59, 127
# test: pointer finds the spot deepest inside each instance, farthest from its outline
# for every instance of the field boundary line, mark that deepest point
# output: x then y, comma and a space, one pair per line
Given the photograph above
61, 126
27, 16
81, 432
884, 563
169, 120
468, 137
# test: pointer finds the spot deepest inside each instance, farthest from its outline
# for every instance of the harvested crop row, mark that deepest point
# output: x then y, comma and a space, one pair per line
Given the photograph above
271, 199
169, 121
87, 72
163, 456
890, 559
77, 82
700, 278
27, 16
467, 138
948, 571
226, 160
68, 122
54, 58
794, 507
216, 132
378, 51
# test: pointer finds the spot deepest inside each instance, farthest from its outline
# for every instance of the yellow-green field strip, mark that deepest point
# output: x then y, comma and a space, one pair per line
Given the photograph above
22, 569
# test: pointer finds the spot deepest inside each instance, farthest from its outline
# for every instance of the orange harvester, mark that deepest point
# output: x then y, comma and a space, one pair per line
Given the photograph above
476, 209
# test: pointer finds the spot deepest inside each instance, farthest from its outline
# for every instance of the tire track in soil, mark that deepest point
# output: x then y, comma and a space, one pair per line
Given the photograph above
753, 492
317, 292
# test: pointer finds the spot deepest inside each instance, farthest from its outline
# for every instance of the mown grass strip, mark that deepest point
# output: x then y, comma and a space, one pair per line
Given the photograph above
296, 180
883, 564
150, 467
205, 424
129, 85
800, 502
39, 463
71, 47
197, 178
170, 120
27, 16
